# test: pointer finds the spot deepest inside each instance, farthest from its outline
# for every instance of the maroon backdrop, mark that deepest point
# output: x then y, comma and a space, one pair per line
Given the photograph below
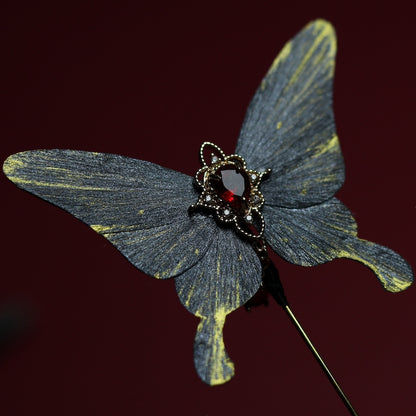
153, 82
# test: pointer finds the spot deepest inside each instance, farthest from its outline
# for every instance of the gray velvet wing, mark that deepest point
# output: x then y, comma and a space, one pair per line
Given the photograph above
289, 126
226, 278
140, 207
320, 233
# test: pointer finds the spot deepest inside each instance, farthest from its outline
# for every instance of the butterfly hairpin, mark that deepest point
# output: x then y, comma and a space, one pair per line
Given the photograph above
211, 232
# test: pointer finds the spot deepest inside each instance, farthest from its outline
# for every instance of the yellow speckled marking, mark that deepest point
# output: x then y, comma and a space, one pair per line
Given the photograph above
279, 125
323, 30
396, 285
350, 231
196, 251
22, 181
237, 291
11, 164
218, 356
178, 267
191, 292
141, 212
330, 146
170, 272
284, 53
102, 229
58, 169
109, 229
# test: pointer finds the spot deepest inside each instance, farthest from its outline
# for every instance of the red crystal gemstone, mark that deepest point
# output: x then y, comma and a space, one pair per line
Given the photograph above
232, 186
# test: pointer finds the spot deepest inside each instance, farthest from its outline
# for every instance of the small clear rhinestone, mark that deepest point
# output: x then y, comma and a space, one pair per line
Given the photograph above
226, 212
214, 159
249, 218
208, 198
253, 176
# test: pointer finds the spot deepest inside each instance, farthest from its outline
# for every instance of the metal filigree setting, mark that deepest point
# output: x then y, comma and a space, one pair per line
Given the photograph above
230, 190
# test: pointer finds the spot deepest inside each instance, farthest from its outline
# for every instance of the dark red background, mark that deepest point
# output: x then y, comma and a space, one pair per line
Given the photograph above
153, 81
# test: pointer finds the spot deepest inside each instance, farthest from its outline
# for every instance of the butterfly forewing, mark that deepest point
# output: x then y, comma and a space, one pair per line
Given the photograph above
142, 208
289, 126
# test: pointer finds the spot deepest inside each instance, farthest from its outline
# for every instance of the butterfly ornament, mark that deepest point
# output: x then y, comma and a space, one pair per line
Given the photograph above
210, 233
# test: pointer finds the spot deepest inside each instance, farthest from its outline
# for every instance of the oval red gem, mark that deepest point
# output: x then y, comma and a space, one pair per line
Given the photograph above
232, 186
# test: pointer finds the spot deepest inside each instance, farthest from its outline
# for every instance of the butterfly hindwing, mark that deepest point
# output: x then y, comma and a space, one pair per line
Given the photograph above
227, 277
312, 235
320, 233
141, 207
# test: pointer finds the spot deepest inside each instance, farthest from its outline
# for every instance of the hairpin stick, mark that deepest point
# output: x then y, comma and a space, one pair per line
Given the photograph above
272, 283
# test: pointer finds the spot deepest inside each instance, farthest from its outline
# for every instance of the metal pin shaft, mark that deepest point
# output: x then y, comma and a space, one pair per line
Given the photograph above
321, 362
272, 283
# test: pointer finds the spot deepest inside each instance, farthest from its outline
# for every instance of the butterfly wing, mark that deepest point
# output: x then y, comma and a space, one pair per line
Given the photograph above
227, 277
320, 233
140, 207
289, 125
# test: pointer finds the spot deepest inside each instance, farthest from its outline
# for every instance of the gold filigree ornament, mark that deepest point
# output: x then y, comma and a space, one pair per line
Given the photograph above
230, 190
